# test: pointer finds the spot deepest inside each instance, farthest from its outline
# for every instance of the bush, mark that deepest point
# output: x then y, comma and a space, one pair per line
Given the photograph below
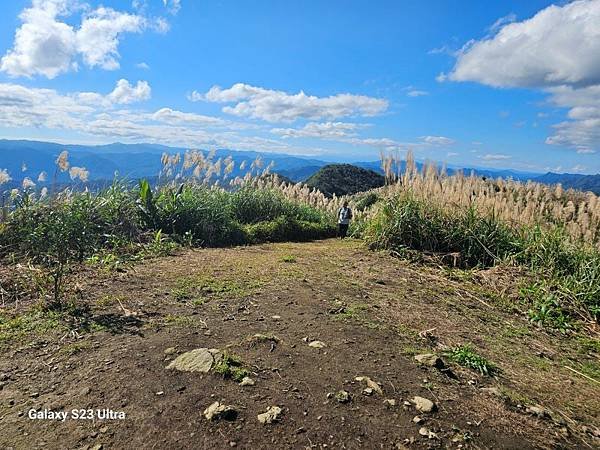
407, 223
287, 229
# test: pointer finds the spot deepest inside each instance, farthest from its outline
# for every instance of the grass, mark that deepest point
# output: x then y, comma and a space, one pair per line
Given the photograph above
36, 322
567, 273
200, 289
231, 366
288, 259
466, 356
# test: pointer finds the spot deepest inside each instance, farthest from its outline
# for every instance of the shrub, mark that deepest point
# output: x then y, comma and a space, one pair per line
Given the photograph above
407, 223
467, 357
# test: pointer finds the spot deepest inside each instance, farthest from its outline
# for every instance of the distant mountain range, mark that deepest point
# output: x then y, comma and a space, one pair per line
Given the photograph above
23, 158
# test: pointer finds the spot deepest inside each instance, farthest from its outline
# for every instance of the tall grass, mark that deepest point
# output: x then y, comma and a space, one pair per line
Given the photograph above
567, 271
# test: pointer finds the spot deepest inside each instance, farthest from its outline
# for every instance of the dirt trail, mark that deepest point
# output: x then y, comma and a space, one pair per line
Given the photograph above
367, 309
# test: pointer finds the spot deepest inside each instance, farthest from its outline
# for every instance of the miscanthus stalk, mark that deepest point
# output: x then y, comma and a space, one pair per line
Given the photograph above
517, 203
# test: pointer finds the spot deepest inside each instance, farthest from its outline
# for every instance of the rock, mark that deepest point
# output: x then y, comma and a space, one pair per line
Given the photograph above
342, 396
423, 405
370, 384
368, 391
247, 381
217, 411
317, 344
423, 431
417, 419
198, 360
537, 411
389, 402
272, 415
430, 360
97, 447
84, 391
170, 351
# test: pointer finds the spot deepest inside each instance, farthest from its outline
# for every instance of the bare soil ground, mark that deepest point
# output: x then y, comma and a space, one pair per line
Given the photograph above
367, 308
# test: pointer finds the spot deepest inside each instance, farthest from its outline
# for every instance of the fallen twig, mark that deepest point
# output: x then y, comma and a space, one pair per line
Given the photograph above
582, 374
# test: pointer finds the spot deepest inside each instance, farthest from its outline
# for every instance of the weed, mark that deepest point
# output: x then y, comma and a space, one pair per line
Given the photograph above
465, 356
74, 348
288, 259
231, 366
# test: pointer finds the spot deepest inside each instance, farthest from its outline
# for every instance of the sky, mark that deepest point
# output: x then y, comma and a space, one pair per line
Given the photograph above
499, 84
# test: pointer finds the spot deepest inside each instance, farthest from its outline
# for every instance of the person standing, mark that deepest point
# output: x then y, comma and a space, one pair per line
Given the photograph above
344, 217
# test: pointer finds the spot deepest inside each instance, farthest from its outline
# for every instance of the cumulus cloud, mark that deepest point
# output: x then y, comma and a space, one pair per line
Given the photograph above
557, 46
95, 114
279, 106
46, 45
325, 130
558, 51
125, 93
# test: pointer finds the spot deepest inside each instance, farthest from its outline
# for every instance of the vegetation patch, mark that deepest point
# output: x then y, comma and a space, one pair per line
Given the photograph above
466, 356
231, 366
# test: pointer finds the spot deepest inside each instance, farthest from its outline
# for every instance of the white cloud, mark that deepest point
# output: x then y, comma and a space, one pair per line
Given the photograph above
142, 65
279, 106
558, 46
46, 45
451, 154
125, 93
438, 140
172, 5
558, 51
325, 130
98, 36
167, 115
416, 93
510, 18
495, 157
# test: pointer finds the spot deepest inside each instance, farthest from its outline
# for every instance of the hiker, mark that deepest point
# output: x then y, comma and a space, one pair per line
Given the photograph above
344, 216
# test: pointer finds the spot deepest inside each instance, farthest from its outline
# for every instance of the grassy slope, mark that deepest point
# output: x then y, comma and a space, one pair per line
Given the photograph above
367, 307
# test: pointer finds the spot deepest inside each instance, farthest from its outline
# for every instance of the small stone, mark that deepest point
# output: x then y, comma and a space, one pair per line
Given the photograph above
160, 392
217, 411
368, 391
317, 344
104, 429
430, 360
370, 384
232, 443
423, 405
271, 415
276, 317
537, 411
247, 381
389, 402
97, 447
417, 419
170, 351
342, 396
34, 395
423, 431
85, 391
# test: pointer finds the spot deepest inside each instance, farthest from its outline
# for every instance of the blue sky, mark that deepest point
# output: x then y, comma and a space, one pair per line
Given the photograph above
507, 84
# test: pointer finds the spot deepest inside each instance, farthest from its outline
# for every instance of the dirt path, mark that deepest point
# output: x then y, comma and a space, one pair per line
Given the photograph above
367, 309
